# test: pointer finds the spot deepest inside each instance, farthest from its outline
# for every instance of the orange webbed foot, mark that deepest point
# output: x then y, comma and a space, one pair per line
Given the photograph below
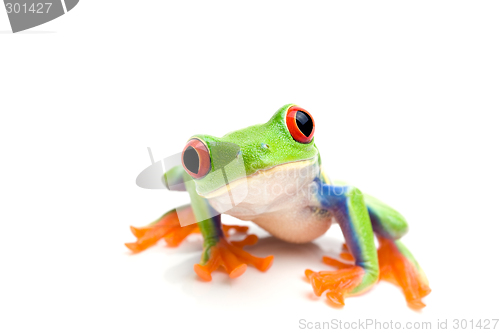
338, 283
166, 227
396, 265
169, 228
403, 271
233, 258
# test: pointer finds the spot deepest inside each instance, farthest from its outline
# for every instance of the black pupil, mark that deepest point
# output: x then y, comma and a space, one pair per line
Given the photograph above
191, 160
304, 123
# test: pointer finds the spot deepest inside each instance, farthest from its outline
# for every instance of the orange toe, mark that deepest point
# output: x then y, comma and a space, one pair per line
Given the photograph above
226, 228
262, 264
138, 232
335, 263
309, 273
203, 272
249, 240
265, 264
347, 256
416, 304
238, 271
336, 297
134, 247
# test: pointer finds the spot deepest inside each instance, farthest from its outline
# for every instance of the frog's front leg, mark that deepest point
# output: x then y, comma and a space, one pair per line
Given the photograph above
217, 250
168, 227
397, 264
348, 209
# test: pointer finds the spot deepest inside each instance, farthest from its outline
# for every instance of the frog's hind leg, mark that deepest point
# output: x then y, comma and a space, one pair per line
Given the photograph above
397, 264
169, 228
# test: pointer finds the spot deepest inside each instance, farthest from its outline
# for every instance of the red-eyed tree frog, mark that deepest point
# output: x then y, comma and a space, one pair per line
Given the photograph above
284, 189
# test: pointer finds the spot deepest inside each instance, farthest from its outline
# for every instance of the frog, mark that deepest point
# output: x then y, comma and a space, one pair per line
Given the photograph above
274, 172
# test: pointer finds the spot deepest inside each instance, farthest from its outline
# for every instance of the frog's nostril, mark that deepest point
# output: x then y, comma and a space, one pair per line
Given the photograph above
264, 145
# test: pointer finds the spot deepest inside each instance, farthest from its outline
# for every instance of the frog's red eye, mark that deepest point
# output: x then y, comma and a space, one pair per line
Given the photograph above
300, 124
196, 158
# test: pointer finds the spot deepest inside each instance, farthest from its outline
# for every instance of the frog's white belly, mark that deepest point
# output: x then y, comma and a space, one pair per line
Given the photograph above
281, 200
295, 225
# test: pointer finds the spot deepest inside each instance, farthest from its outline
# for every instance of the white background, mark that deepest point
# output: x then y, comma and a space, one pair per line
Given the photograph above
406, 100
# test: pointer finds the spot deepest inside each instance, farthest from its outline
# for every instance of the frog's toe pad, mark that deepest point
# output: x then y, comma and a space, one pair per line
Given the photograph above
336, 298
403, 271
232, 257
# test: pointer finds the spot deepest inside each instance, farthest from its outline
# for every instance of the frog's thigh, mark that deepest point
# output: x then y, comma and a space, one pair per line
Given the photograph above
386, 222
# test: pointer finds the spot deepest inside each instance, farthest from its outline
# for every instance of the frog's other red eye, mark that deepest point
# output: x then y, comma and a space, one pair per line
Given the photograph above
300, 124
196, 158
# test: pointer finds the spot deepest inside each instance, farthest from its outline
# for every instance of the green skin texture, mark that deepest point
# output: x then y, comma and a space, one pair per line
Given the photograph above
282, 148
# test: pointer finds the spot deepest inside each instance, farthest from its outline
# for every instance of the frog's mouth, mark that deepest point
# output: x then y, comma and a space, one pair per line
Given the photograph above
268, 173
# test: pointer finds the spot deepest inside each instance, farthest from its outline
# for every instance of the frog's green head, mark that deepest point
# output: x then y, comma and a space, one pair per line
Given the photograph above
214, 162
